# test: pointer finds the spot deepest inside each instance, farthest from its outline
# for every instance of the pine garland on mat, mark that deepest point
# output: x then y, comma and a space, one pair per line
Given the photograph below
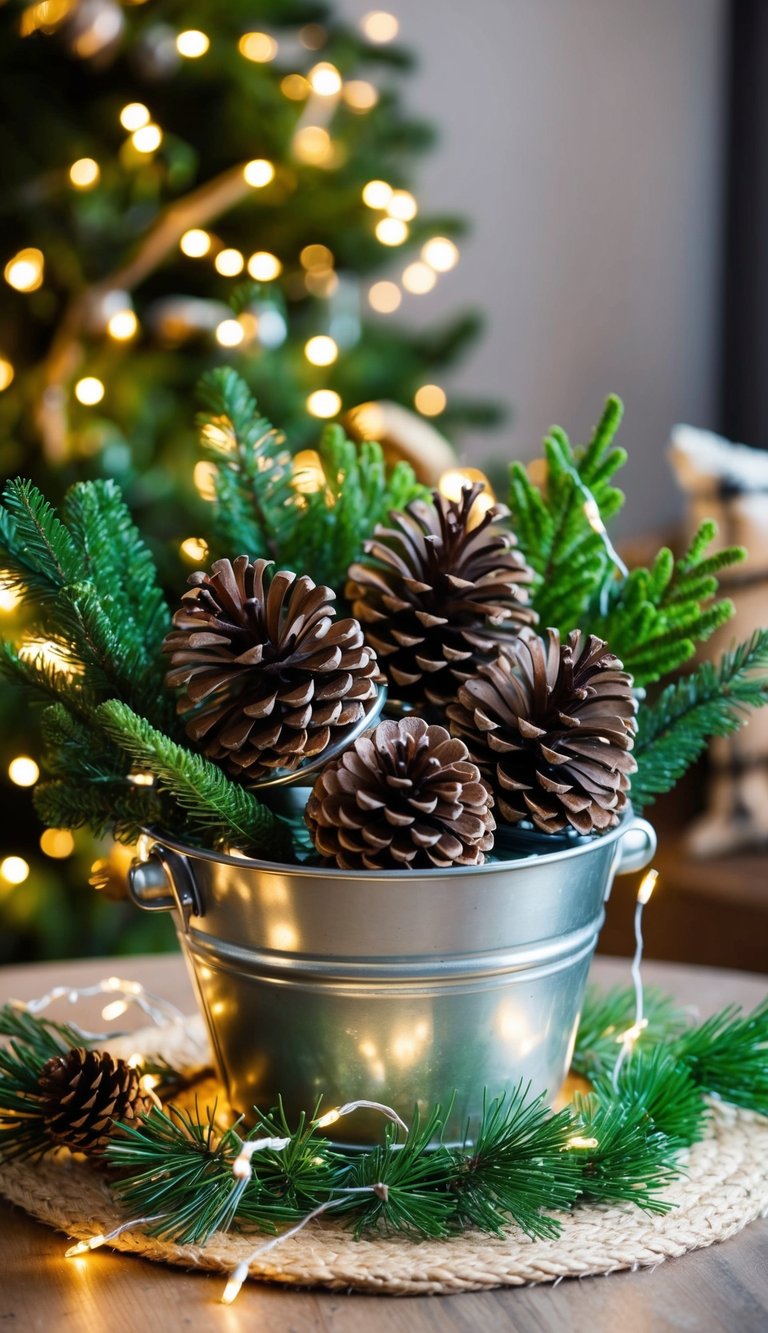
520, 1164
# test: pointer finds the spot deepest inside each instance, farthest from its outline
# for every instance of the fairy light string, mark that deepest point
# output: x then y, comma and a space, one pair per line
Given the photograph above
631, 1036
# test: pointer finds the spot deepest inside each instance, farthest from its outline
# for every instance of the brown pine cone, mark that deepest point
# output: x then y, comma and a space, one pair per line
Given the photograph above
551, 725
269, 677
437, 594
84, 1093
402, 796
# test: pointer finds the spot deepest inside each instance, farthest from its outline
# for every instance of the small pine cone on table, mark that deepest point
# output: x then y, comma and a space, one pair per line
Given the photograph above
437, 592
83, 1094
403, 796
551, 725
269, 676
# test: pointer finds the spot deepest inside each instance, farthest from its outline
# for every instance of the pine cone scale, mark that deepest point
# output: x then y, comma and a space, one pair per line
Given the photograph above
83, 1093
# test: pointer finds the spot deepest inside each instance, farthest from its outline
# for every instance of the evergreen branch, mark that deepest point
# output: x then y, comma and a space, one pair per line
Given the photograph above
117, 807
606, 1015
414, 1200
712, 701
38, 538
31, 1043
655, 1081
727, 1056
630, 1162
214, 805
517, 1168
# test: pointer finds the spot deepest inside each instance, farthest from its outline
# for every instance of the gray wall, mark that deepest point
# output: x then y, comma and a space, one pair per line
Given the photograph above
584, 138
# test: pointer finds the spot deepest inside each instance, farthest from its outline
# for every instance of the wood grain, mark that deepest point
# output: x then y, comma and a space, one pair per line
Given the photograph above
719, 1290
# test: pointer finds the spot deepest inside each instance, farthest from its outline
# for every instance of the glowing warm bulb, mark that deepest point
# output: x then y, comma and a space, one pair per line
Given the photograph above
385, 297
580, 1142
295, 87
229, 263
9, 599
83, 1246
229, 333
401, 204
235, 1283
430, 400
123, 325
134, 116
380, 26
312, 144
324, 403
25, 270
194, 549
57, 843
23, 771
195, 243
192, 44
14, 869
377, 194
419, 278
257, 46
647, 885
325, 79
259, 172
204, 476
308, 473
391, 231
115, 1009
360, 95
321, 350
84, 173
454, 482
316, 257
329, 1118
6, 373
147, 139
264, 267
89, 391
440, 253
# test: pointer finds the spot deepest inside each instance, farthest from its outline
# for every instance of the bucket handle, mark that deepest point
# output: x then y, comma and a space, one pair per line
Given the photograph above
161, 881
636, 847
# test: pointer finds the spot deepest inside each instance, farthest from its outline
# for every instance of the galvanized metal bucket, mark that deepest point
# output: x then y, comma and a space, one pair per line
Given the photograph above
398, 987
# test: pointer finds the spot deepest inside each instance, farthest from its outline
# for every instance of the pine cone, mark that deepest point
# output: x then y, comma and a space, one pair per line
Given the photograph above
403, 796
270, 678
84, 1092
551, 725
438, 594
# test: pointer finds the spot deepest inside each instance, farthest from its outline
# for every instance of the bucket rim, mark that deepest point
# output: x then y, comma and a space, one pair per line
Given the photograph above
299, 870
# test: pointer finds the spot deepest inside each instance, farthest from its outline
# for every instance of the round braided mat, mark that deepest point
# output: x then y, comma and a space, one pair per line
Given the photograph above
725, 1187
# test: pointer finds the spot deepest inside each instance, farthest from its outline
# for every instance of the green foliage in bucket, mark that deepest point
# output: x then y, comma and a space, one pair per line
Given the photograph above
514, 640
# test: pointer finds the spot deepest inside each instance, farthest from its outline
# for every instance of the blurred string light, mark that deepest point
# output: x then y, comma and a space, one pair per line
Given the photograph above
195, 549
44, 17
312, 36
440, 253
257, 46
360, 95
324, 79
312, 145
321, 350
628, 1040
430, 400
195, 243
453, 483
391, 231
384, 297
89, 391
401, 204
316, 257
57, 843
307, 472
147, 139
50, 655
9, 598
259, 172
377, 194
192, 44
229, 333
264, 267
6, 373
123, 325
14, 870
23, 771
379, 26
295, 87
204, 476
134, 116
324, 403
229, 263
419, 278
84, 173
25, 271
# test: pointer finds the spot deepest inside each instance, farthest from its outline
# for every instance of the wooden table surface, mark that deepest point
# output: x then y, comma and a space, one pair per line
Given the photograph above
723, 1289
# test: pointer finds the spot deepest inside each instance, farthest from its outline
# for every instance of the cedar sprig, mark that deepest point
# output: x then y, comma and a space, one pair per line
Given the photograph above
517, 1167
714, 700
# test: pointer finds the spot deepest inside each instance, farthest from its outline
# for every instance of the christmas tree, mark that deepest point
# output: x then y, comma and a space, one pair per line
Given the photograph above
183, 184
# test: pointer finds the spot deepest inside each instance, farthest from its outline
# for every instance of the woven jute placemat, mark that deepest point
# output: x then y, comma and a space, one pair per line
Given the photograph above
724, 1188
